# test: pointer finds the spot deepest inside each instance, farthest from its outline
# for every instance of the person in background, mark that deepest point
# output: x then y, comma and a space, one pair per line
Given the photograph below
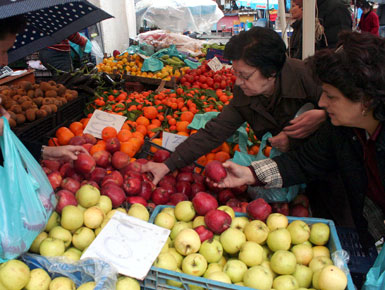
381, 19
334, 16
369, 20
268, 91
295, 42
58, 56
353, 141
9, 27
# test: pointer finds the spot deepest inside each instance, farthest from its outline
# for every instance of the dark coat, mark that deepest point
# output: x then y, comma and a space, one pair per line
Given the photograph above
335, 17
294, 87
295, 49
333, 148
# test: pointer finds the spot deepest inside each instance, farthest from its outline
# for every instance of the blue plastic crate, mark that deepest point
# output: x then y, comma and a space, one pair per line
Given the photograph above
157, 277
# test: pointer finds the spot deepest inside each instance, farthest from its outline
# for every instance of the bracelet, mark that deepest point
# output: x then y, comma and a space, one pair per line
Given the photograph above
42, 151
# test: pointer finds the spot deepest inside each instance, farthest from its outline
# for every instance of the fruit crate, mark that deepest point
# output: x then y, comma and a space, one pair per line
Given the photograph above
72, 110
156, 279
360, 261
35, 130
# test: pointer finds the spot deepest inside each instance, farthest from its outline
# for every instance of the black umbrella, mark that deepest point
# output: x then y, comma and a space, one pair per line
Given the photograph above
48, 22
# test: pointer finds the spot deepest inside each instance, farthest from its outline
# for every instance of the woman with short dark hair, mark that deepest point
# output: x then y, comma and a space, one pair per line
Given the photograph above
369, 20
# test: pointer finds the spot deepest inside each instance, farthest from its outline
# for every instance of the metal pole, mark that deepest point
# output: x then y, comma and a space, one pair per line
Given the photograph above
282, 19
308, 28
268, 13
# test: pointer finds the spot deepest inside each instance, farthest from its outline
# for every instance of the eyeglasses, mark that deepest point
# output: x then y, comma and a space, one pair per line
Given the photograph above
245, 78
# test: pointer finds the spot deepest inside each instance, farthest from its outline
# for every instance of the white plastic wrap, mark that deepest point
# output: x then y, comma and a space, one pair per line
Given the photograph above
162, 39
341, 259
180, 15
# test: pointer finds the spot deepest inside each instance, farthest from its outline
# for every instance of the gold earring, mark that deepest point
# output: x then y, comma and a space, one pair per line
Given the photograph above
363, 113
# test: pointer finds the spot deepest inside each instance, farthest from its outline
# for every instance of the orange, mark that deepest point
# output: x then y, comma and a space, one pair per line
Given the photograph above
183, 134
53, 142
97, 147
187, 116
156, 141
136, 142
64, 135
150, 112
225, 147
222, 156
143, 121
124, 135
142, 129
156, 122
210, 156
267, 150
76, 126
128, 148
139, 136
202, 160
181, 126
171, 121
109, 132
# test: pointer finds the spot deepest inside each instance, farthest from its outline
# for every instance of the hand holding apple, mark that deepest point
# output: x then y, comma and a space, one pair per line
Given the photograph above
158, 170
237, 175
66, 153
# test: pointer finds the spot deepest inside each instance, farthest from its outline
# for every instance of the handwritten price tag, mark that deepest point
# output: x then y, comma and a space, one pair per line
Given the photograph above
100, 120
129, 244
171, 141
215, 64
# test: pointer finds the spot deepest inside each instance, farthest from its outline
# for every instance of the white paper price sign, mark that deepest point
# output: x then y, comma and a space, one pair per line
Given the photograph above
171, 141
129, 244
215, 64
100, 120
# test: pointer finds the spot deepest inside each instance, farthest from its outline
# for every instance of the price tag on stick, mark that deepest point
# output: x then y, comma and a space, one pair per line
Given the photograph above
215, 64
100, 120
171, 141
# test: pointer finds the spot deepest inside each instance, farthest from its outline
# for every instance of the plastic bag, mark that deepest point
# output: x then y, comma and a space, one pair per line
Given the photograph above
26, 197
96, 51
375, 278
82, 271
285, 194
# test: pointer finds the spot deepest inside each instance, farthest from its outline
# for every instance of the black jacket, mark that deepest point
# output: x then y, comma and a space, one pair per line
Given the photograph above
335, 17
295, 47
333, 148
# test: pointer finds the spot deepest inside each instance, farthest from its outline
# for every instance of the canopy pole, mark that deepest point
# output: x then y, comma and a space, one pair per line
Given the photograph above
282, 20
308, 28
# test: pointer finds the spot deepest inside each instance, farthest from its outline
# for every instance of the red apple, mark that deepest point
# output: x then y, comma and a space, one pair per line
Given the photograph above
90, 182
299, 210
204, 202
132, 185
259, 209
87, 146
120, 160
184, 187
244, 205
160, 196
239, 189
90, 139
168, 179
225, 195
133, 174
189, 168
55, 179
115, 193
84, 164
215, 171
77, 140
66, 169
141, 161
53, 165
98, 174
198, 178
185, 176
233, 202
112, 144
301, 199
65, 197
146, 189
47, 170
170, 188
161, 155
70, 184
113, 177
136, 199
204, 233
102, 158
217, 221
197, 187
177, 197
280, 207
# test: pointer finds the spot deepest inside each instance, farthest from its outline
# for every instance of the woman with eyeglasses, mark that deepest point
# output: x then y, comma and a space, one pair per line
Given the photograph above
352, 141
268, 92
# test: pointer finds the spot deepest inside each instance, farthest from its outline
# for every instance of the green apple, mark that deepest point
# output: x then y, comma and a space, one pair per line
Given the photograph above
105, 204
219, 276
320, 251
127, 283
232, 240
198, 221
303, 253
71, 218
266, 265
213, 267
175, 283
276, 221
178, 226
239, 223
178, 257
239, 284
285, 282
83, 209
187, 242
166, 261
212, 250
61, 233
319, 263
87, 286
139, 211
299, 232
165, 248
93, 217
97, 231
14, 274
228, 210
112, 212
283, 262
184, 211
235, 269
194, 264
332, 278
279, 239
51, 247
88, 195
82, 238
251, 254
62, 283
39, 280
266, 253
315, 279
195, 287
303, 275
169, 210
53, 221
319, 234
122, 210
258, 277
164, 220
36, 243
256, 231
73, 254
222, 261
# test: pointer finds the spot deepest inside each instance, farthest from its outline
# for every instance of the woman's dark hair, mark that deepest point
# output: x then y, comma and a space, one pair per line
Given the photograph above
12, 25
365, 5
356, 67
259, 47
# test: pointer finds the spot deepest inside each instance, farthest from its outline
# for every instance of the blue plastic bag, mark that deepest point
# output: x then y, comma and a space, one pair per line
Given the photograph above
285, 194
26, 197
375, 278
